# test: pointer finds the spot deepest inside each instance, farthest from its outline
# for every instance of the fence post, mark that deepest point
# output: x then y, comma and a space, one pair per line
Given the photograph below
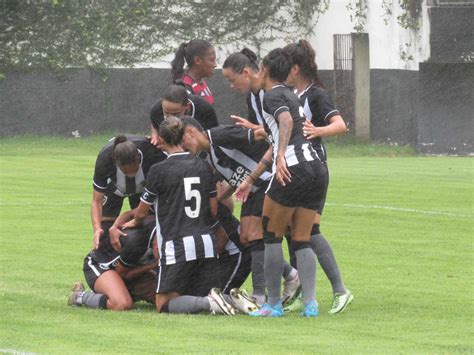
361, 72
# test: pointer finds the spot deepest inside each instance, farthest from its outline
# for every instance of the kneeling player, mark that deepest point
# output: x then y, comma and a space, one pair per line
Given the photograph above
118, 279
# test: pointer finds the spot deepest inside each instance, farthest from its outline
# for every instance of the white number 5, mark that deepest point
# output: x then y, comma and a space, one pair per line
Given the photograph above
190, 194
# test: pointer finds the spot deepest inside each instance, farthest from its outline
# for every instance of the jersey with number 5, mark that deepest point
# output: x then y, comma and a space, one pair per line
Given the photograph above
180, 188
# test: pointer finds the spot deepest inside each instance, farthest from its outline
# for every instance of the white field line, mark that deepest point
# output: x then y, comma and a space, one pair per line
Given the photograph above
13, 351
401, 209
346, 205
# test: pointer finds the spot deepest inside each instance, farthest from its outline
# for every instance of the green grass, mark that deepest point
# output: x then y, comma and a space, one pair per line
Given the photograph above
401, 227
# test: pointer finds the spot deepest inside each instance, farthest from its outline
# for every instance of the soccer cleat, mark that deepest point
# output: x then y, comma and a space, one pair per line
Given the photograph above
218, 303
77, 291
268, 311
291, 290
340, 302
242, 302
259, 299
310, 309
296, 306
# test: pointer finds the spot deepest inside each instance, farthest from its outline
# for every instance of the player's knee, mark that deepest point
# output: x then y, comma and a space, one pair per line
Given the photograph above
120, 304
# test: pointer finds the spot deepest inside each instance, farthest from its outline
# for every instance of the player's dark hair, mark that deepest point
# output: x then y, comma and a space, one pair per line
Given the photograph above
177, 94
172, 130
278, 64
190, 121
125, 152
186, 53
304, 56
239, 60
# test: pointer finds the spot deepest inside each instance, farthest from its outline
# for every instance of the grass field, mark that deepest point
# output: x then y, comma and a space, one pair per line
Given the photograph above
401, 227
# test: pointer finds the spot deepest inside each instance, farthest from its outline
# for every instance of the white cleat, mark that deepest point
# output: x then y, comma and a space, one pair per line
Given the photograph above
291, 290
243, 302
218, 303
340, 302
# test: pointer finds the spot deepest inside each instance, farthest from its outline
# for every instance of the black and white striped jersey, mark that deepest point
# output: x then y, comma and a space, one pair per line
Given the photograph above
231, 226
318, 108
107, 172
180, 188
199, 109
255, 109
232, 156
281, 99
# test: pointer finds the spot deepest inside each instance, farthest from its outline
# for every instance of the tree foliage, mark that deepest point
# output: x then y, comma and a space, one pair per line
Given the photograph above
93, 33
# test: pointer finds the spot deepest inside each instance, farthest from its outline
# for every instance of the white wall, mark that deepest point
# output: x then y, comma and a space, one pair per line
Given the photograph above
387, 41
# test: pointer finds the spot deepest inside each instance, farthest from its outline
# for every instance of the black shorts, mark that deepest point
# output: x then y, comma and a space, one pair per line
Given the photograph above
254, 204
112, 203
307, 188
93, 269
234, 270
322, 200
192, 278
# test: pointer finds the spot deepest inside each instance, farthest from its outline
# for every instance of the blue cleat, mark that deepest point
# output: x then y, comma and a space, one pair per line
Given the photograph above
310, 309
268, 311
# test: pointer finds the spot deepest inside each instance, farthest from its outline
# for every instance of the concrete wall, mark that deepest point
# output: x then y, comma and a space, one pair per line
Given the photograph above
446, 108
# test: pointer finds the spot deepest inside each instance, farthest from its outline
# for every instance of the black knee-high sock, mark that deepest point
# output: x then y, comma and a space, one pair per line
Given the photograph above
306, 269
93, 300
257, 248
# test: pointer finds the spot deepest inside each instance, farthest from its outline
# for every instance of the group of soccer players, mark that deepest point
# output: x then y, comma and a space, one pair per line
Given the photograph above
179, 246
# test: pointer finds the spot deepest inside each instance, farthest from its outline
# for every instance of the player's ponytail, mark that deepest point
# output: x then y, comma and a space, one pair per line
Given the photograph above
172, 130
186, 53
177, 64
125, 152
239, 60
278, 64
304, 56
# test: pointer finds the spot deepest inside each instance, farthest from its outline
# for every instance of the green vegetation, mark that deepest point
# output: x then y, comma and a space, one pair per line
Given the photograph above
401, 227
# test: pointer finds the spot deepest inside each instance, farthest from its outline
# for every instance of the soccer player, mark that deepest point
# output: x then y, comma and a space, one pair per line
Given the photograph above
120, 171
296, 186
200, 56
229, 154
182, 190
177, 102
323, 120
242, 71
118, 279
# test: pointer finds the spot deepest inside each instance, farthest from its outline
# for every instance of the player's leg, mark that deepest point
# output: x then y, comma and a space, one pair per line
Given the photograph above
143, 288
305, 258
113, 287
275, 220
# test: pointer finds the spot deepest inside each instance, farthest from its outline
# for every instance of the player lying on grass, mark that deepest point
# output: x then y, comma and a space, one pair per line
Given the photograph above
230, 151
182, 190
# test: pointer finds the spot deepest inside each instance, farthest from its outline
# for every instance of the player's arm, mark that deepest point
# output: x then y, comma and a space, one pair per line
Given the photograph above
224, 192
285, 127
96, 217
115, 231
128, 273
335, 127
243, 122
243, 190
155, 137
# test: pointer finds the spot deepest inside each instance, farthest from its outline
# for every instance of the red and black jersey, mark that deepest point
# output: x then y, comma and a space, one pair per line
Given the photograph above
198, 88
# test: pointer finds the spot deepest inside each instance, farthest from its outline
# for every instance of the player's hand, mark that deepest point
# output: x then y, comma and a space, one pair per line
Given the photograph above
283, 175
97, 234
130, 224
115, 234
310, 131
243, 122
243, 191
156, 141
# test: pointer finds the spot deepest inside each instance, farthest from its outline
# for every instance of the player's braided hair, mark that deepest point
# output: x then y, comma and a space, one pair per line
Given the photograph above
177, 94
304, 56
239, 60
186, 53
125, 152
278, 64
172, 130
